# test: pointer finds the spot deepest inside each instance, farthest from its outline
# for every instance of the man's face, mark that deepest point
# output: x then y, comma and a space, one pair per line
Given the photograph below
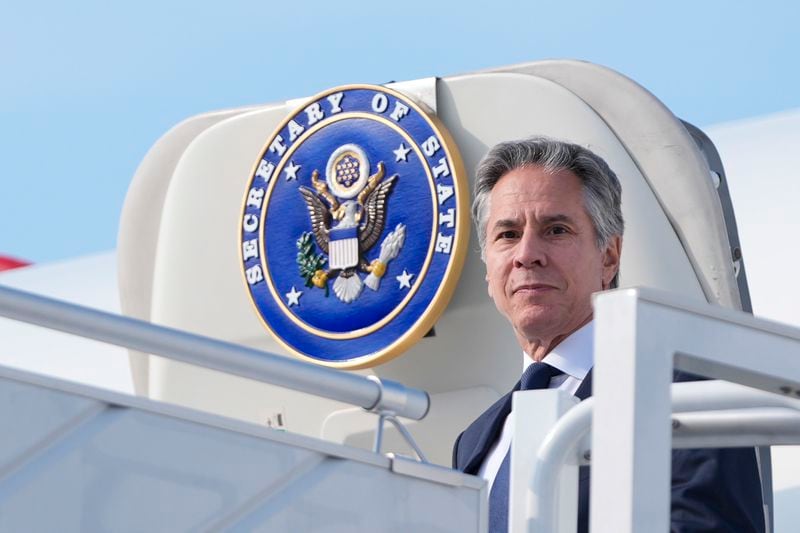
542, 259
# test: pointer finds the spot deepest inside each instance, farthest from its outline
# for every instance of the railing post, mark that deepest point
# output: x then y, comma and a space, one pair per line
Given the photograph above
534, 414
631, 421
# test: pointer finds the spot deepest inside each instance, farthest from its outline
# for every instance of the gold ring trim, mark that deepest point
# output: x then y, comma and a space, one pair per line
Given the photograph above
457, 256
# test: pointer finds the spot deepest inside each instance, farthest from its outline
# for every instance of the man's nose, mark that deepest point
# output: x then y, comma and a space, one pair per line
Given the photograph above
530, 251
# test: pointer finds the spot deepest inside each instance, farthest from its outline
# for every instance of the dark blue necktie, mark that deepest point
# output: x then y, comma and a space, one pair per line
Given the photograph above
536, 376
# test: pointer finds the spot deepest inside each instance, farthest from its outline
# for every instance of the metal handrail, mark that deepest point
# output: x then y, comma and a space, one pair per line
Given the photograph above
706, 414
382, 396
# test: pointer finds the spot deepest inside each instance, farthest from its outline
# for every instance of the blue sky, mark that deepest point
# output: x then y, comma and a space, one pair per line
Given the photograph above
87, 87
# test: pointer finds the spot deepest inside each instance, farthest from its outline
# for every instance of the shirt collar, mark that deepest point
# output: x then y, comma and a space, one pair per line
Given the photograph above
574, 355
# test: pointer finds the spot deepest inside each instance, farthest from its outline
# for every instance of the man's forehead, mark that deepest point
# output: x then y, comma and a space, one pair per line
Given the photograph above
542, 208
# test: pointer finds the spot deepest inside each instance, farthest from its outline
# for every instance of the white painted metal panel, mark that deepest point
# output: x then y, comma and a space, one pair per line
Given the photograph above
75, 458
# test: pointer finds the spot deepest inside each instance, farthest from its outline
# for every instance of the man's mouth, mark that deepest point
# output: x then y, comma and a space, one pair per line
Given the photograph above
533, 288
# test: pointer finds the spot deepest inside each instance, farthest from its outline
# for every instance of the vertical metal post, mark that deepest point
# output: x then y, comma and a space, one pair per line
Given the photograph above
631, 421
378, 444
534, 414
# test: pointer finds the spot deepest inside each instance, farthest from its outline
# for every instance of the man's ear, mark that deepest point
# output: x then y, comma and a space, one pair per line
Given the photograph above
611, 256
488, 285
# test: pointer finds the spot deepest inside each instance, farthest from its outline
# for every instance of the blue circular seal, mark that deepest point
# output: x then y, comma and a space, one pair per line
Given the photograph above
354, 229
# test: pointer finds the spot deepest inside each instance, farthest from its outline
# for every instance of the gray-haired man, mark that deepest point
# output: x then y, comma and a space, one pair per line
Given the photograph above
550, 227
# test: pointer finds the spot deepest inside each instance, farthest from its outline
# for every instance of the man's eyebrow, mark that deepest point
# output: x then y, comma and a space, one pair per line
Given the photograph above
550, 219
505, 223
544, 221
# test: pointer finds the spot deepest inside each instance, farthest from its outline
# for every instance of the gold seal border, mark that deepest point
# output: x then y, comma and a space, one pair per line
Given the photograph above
457, 256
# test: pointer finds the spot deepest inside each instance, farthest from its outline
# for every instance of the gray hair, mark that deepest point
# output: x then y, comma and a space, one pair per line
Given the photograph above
602, 192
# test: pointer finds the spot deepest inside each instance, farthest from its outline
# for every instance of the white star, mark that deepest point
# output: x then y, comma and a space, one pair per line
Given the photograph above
401, 153
404, 279
291, 171
293, 297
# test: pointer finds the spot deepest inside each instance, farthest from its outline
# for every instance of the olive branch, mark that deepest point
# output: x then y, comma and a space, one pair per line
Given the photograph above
308, 261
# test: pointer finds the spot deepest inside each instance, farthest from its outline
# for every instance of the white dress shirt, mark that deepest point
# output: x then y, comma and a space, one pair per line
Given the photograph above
574, 356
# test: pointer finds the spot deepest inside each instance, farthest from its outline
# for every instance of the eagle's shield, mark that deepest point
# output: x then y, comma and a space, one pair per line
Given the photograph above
343, 251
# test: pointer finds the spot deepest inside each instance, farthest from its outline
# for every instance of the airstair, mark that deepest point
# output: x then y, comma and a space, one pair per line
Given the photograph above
192, 451
78, 458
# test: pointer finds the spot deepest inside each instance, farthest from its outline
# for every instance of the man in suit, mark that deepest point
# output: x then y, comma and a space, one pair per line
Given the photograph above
550, 229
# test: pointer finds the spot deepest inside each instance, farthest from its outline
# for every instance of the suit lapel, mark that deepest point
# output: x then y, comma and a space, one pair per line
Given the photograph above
479, 437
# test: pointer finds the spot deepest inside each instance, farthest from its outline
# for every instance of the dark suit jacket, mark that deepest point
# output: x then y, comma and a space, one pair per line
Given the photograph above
713, 490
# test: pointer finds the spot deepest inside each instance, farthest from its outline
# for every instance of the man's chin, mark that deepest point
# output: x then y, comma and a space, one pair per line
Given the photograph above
542, 318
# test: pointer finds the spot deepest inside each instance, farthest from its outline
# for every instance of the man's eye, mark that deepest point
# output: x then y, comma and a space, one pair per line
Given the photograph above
559, 230
508, 234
